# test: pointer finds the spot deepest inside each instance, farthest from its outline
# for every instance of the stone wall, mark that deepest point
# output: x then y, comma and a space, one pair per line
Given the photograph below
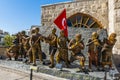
107, 13
117, 23
96, 8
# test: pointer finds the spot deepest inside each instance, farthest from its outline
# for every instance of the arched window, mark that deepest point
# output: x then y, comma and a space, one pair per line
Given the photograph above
83, 21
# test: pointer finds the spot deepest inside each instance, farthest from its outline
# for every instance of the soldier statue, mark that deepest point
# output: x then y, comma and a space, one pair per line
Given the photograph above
13, 51
94, 48
107, 50
35, 42
52, 40
29, 51
24, 43
76, 45
62, 54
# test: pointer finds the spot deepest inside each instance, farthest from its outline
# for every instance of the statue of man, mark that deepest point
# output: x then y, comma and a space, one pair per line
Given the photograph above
62, 49
76, 45
52, 40
107, 50
24, 45
94, 48
13, 51
35, 42
29, 51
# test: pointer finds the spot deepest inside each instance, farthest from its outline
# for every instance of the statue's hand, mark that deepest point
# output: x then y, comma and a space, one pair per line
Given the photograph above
96, 42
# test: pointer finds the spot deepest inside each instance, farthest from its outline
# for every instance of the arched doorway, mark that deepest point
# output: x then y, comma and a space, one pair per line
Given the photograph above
83, 21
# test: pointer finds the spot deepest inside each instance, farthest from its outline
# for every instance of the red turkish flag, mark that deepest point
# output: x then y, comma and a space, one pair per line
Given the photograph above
61, 22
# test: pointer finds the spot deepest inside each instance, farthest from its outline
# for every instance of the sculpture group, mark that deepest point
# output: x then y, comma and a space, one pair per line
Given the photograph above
99, 52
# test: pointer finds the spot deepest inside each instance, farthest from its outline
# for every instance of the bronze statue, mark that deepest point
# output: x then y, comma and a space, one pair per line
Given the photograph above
35, 42
52, 40
24, 45
107, 50
29, 51
76, 45
62, 49
13, 51
94, 47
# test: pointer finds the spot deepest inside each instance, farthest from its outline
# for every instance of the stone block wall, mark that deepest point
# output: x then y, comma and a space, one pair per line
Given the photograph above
107, 12
117, 24
96, 8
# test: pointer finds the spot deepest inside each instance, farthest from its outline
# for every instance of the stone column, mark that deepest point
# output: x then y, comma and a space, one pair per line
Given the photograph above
114, 22
111, 16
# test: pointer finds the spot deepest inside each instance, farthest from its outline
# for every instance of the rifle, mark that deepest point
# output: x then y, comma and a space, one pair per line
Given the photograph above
35, 44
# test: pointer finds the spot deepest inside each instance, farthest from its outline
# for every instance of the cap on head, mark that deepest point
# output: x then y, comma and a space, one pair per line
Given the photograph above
94, 34
32, 31
23, 32
78, 35
112, 36
62, 31
37, 29
54, 30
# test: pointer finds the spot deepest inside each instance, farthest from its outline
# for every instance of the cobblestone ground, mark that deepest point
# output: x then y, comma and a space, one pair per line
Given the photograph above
8, 75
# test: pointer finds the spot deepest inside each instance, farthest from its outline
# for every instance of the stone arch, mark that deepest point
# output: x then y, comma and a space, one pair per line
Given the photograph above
99, 17
87, 31
83, 20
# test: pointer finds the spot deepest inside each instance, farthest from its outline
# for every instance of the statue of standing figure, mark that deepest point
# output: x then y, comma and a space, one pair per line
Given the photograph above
24, 45
35, 42
62, 54
52, 40
106, 58
94, 49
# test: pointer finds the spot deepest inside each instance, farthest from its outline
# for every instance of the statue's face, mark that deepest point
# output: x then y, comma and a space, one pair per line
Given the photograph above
62, 33
78, 37
94, 35
54, 31
32, 31
112, 36
37, 30
22, 34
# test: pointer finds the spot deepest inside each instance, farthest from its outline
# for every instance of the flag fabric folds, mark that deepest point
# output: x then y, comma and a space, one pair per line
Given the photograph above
61, 22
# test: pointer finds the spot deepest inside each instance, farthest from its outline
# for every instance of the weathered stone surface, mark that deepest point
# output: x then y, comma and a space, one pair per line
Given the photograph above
68, 73
117, 23
117, 5
98, 11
